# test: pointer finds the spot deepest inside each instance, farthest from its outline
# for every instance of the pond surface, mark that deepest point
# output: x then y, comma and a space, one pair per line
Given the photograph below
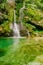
5, 42
21, 51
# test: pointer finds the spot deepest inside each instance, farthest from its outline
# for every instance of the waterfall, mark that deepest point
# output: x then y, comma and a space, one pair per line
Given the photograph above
15, 27
21, 15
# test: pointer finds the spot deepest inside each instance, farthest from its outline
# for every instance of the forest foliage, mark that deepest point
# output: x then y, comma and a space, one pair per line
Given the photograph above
32, 19
6, 17
33, 15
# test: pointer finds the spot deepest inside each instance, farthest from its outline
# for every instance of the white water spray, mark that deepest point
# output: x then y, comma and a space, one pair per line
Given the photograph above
15, 27
21, 13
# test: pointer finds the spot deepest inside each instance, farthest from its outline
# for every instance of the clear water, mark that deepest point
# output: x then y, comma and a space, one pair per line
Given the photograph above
20, 51
5, 42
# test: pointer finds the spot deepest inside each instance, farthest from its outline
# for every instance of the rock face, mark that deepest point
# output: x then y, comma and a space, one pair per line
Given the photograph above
38, 25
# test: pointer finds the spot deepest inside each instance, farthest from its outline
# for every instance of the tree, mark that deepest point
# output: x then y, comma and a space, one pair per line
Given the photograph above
6, 18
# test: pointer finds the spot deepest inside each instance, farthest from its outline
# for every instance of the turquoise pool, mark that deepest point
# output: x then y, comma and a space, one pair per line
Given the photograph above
5, 42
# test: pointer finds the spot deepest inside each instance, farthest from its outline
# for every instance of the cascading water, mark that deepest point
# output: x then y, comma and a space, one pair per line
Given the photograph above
21, 14
15, 27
